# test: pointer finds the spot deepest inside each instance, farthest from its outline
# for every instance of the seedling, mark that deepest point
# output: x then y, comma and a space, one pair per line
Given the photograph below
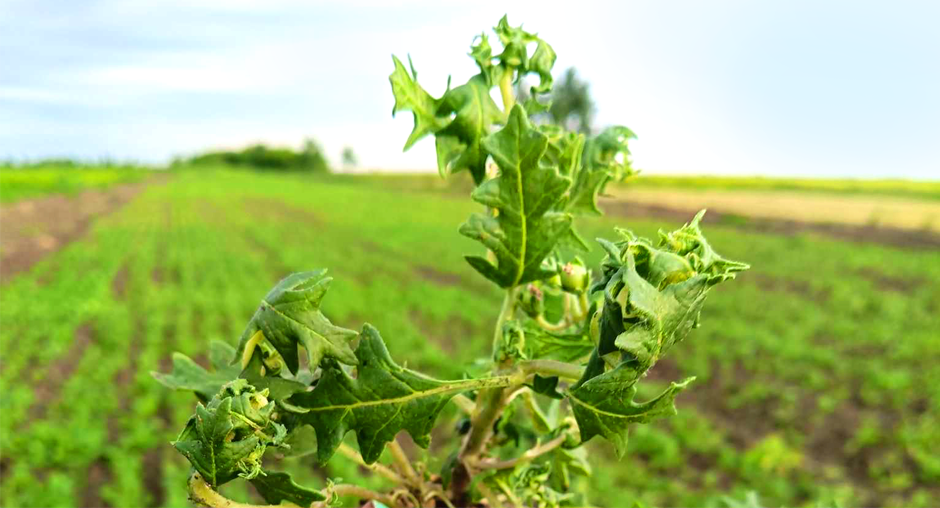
569, 346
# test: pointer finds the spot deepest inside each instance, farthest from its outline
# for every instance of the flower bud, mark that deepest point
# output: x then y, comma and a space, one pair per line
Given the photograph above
532, 301
574, 276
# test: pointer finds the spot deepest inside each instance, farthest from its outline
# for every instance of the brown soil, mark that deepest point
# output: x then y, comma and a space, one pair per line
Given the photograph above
35, 228
152, 466
119, 283
99, 474
895, 237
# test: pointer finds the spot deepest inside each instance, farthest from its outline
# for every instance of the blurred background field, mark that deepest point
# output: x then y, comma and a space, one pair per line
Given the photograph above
818, 370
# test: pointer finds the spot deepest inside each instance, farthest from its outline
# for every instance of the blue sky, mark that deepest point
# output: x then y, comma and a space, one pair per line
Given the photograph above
788, 88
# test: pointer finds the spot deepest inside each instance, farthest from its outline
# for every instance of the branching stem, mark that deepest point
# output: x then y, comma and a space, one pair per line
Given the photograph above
376, 468
203, 494
525, 457
403, 464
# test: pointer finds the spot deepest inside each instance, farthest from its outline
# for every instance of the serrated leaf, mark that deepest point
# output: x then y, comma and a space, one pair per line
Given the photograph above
604, 406
566, 347
383, 399
653, 297
188, 375
227, 437
278, 487
409, 96
524, 195
605, 158
289, 317
515, 54
474, 111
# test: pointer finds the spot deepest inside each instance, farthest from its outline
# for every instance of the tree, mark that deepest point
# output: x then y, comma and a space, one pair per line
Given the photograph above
349, 157
572, 106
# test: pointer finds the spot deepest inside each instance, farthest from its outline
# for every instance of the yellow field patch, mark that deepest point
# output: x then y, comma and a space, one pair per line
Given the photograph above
887, 211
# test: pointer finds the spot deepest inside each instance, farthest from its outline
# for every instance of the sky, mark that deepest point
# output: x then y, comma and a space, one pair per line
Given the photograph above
776, 88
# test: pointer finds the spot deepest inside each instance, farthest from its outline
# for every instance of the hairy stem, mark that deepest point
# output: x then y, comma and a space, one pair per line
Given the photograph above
525, 457
203, 494
490, 403
505, 89
551, 368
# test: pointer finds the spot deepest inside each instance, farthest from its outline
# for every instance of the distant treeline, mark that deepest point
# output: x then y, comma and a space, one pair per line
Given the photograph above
309, 159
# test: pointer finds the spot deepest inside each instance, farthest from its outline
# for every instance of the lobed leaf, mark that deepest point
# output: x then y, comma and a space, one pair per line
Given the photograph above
459, 145
524, 196
289, 317
383, 399
653, 297
278, 487
189, 375
227, 437
409, 96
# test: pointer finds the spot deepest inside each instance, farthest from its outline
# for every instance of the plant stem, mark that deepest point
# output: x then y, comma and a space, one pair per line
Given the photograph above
552, 327
403, 464
464, 403
551, 368
525, 457
203, 494
505, 313
490, 403
490, 496
375, 467
505, 88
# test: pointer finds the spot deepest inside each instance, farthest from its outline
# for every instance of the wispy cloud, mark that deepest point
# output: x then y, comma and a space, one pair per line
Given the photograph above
801, 87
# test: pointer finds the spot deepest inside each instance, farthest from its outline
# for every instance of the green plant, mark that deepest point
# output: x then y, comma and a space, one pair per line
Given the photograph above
569, 345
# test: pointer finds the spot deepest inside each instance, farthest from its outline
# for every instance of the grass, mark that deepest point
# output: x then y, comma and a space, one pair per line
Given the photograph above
18, 183
817, 371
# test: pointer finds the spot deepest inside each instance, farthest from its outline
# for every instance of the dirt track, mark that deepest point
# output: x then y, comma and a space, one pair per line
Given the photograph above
32, 229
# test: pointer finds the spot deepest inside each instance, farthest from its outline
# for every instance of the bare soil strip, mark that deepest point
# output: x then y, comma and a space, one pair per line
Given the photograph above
36, 228
46, 390
895, 237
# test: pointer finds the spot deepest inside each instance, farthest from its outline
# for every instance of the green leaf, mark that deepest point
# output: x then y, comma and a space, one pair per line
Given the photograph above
383, 399
188, 375
279, 388
605, 158
474, 111
566, 347
524, 195
409, 96
289, 317
277, 487
604, 406
653, 297
515, 54
227, 437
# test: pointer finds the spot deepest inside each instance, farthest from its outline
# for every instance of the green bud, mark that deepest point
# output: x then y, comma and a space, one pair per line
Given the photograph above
532, 301
575, 276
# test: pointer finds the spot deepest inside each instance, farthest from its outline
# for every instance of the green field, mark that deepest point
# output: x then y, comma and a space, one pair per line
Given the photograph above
17, 183
818, 370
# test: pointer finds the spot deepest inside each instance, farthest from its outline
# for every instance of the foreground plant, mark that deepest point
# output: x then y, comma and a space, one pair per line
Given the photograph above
569, 345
